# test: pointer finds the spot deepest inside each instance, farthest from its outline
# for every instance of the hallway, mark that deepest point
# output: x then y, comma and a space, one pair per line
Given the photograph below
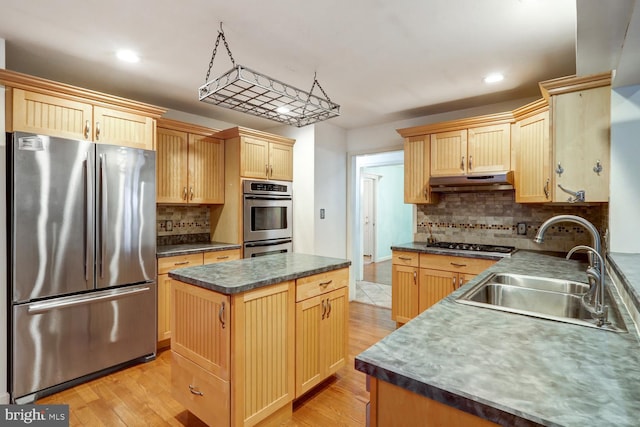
375, 288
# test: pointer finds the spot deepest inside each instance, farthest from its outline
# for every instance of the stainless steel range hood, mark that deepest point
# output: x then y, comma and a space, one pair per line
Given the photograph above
469, 183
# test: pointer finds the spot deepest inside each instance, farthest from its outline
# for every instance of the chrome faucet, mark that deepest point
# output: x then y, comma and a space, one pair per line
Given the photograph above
596, 293
595, 237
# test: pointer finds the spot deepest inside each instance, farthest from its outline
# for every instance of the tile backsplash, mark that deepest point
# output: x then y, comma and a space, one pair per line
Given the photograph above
182, 224
492, 218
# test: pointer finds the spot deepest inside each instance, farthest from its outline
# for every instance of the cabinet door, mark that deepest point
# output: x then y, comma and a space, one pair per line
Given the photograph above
280, 162
164, 307
449, 153
309, 316
335, 331
206, 170
254, 158
404, 293
435, 285
122, 128
489, 149
416, 170
581, 125
200, 322
264, 349
532, 157
50, 115
172, 166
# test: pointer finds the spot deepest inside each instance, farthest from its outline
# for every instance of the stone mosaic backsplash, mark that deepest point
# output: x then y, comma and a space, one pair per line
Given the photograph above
182, 224
492, 218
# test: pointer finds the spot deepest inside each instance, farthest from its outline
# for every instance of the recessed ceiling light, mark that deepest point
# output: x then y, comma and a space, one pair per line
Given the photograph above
283, 110
127, 55
494, 78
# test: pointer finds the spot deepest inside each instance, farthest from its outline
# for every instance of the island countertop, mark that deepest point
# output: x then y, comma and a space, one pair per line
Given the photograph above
242, 275
514, 369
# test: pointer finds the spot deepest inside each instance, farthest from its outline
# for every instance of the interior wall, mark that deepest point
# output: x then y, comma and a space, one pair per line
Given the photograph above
4, 396
624, 199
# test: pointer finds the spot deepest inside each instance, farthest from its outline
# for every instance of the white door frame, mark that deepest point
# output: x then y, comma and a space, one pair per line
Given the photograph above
373, 214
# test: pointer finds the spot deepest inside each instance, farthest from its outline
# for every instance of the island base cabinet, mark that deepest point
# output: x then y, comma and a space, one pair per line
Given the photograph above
204, 394
391, 405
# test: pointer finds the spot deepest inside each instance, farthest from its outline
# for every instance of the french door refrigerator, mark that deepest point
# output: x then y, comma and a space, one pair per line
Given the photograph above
82, 262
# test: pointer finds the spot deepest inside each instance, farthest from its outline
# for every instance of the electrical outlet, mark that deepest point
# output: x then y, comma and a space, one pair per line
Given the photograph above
322, 213
522, 228
168, 225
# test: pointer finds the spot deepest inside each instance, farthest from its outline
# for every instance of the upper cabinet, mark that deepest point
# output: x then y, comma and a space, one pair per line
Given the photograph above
190, 164
262, 155
416, 170
532, 151
580, 122
55, 109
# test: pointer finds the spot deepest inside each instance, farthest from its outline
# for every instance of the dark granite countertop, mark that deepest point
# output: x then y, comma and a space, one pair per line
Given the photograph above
421, 247
514, 369
627, 266
193, 248
237, 276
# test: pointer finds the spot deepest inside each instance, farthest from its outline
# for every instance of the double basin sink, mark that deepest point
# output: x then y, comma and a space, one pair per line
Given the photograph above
546, 298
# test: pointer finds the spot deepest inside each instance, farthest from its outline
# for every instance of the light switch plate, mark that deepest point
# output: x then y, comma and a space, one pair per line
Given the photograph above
322, 213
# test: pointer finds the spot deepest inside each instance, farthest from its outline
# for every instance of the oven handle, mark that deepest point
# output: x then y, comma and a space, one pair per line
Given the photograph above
267, 243
268, 197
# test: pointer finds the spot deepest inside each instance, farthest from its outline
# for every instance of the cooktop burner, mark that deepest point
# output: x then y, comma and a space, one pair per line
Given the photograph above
472, 247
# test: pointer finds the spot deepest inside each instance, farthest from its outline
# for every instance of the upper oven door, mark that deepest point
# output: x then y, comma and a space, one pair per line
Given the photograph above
267, 217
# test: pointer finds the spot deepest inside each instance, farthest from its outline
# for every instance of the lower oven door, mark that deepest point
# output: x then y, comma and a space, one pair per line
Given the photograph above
267, 247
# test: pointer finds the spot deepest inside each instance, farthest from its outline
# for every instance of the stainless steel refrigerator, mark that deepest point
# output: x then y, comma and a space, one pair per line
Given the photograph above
82, 265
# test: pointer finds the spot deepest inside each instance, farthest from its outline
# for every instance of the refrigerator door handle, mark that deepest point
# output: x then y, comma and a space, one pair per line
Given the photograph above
87, 217
103, 211
59, 303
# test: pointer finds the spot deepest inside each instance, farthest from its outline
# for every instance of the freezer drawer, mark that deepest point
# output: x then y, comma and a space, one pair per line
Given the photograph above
62, 339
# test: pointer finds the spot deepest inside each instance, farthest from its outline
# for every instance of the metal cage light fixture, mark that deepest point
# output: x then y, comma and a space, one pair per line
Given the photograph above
243, 89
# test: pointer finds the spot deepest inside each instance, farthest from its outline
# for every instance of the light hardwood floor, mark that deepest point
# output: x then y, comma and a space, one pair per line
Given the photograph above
141, 395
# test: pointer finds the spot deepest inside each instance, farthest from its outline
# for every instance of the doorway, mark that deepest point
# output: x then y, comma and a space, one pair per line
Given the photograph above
368, 186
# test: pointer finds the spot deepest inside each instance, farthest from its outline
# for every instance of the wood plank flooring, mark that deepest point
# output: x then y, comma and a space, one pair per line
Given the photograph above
141, 395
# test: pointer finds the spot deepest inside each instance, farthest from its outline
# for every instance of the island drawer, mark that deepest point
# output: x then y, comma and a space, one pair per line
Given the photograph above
221, 256
167, 264
318, 284
410, 259
455, 263
204, 394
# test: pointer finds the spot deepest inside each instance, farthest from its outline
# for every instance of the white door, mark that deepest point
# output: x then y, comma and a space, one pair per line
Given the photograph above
368, 217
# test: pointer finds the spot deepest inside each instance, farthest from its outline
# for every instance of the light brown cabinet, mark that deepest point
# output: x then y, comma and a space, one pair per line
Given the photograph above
257, 327
41, 106
322, 314
190, 165
420, 280
580, 123
263, 159
532, 149
475, 150
417, 166
166, 264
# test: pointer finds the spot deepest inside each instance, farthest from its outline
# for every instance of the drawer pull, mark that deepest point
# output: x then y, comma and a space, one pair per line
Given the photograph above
195, 391
223, 257
458, 265
325, 284
221, 315
181, 263
404, 258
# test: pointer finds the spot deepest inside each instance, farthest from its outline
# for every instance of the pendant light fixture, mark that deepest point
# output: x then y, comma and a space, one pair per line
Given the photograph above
243, 89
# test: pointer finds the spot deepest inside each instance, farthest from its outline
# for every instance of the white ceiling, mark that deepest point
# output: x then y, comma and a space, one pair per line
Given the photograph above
380, 60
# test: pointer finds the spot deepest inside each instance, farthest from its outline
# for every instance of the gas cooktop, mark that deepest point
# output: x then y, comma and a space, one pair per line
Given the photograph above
472, 247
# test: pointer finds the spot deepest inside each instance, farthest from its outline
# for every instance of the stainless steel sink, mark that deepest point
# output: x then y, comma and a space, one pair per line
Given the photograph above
551, 299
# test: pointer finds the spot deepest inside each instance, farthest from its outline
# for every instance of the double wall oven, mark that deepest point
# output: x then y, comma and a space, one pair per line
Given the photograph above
267, 217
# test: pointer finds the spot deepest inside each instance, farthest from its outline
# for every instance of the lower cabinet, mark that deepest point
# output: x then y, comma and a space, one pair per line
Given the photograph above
321, 338
164, 283
419, 280
233, 356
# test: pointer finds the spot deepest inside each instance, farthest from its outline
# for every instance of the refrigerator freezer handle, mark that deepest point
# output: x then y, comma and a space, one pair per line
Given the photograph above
87, 217
43, 307
103, 211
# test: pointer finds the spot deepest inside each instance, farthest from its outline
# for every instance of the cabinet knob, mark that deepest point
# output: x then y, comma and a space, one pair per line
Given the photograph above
462, 163
87, 130
221, 315
329, 307
97, 131
324, 308
546, 189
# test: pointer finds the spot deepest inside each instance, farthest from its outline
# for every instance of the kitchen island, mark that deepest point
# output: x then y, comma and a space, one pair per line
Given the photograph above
482, 366
251, 335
